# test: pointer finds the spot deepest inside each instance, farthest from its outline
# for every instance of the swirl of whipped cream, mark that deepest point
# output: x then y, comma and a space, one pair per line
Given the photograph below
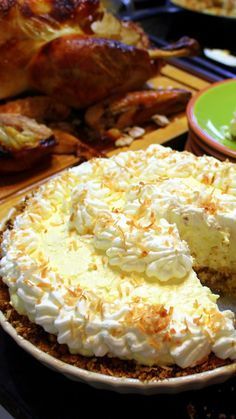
225, 341
195, 336
193, 343
88, 201
156, 250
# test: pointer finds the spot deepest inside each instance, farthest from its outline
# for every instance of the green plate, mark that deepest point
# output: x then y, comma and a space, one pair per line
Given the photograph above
213, 110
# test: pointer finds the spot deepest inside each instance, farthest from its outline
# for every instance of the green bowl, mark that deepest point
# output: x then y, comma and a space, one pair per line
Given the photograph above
210, 111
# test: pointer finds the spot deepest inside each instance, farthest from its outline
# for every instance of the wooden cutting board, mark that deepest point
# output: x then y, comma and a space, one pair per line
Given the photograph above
15, 185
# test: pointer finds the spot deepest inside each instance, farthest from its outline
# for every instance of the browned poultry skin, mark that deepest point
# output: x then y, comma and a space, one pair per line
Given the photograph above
135, 108
84, 70
79, 12
41, 108
27, 25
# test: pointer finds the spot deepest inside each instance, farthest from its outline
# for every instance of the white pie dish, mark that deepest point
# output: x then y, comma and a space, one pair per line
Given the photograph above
122, 385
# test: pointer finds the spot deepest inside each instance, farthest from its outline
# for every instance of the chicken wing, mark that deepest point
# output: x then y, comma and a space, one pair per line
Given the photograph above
135, 108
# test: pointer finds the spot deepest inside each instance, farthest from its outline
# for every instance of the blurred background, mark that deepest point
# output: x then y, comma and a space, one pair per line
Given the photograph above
166, 19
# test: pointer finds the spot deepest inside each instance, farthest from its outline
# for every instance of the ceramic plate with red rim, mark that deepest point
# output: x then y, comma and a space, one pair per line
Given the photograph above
206, 149
209, 114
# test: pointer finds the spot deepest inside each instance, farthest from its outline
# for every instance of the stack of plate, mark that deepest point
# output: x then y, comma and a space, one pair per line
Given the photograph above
209, 114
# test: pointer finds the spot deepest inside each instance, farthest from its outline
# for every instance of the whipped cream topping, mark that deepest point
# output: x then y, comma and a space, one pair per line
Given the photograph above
98, 257
143, 243
130, 215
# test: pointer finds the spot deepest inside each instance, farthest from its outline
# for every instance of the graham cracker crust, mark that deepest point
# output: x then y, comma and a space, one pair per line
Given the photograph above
221, 282
104, 365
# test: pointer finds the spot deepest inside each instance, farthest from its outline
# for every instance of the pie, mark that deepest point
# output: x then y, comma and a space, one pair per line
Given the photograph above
107, 257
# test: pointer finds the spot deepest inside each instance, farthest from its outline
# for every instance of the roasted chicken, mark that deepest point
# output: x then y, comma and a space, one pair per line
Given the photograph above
78, 57
29, 25
75, 51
